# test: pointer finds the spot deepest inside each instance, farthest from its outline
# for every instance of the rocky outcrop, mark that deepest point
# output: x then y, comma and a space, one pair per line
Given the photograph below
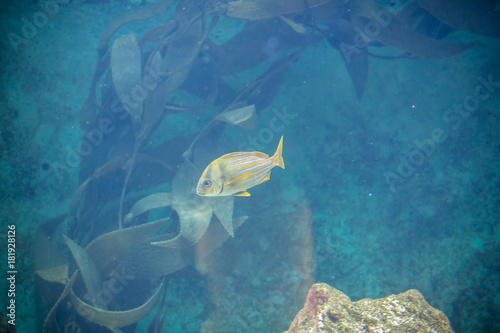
329, 310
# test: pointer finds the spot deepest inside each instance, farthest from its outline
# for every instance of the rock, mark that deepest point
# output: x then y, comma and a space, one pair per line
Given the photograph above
329, 310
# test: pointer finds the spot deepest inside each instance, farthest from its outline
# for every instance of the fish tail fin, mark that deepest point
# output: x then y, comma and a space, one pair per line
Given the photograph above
277, 155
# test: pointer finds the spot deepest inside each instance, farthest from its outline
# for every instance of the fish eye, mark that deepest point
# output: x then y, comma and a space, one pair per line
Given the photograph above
207, 183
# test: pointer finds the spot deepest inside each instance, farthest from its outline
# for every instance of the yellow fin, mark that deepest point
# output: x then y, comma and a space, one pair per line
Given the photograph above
277, 155
243, 193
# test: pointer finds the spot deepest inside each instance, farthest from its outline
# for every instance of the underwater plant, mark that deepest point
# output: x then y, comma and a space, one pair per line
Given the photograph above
109, 246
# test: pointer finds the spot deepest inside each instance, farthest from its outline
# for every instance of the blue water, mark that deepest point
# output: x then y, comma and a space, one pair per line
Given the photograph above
389, 185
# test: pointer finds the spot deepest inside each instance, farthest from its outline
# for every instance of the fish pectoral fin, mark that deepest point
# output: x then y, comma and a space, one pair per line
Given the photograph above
243, 193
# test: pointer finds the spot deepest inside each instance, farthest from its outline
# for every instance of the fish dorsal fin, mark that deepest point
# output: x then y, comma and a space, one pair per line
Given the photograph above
243, 193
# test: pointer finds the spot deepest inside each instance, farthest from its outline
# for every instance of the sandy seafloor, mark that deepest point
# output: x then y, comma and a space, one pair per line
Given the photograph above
329, 217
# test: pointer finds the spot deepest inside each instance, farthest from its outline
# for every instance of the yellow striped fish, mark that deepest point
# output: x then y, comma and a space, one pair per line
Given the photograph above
235, 173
